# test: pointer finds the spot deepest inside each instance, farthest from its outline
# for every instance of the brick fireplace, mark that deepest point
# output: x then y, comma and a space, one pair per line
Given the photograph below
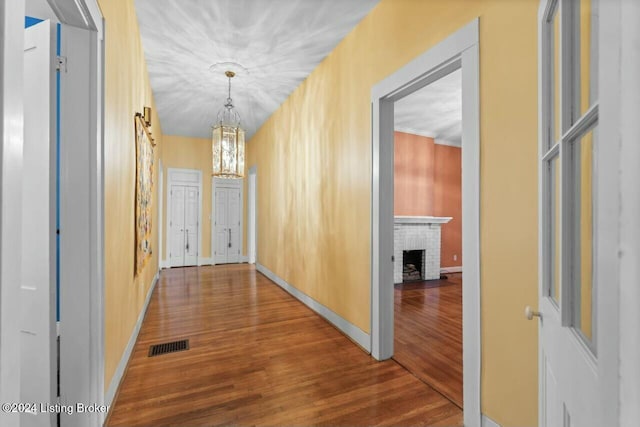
417, 233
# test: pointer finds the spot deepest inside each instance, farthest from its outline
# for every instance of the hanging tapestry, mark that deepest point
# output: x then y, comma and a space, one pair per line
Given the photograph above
144, 188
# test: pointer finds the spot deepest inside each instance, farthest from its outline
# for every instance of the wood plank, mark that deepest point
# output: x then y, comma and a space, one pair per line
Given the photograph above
428, 333
259, 357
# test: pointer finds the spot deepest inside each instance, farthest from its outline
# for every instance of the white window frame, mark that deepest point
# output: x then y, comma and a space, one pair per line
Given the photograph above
573, 126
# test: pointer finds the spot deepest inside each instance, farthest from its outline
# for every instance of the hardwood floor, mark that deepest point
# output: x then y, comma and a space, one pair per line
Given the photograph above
259, 357
428, 333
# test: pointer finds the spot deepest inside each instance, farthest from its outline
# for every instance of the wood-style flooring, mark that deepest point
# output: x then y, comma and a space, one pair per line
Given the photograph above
259, 357
428, 333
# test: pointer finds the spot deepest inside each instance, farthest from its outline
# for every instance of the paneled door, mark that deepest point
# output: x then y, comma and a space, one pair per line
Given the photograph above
227, 211
569, 142
184, 225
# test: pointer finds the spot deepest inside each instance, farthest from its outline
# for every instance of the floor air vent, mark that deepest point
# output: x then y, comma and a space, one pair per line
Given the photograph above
168, 347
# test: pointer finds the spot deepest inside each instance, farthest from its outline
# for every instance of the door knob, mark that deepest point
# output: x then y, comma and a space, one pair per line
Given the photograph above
529, 313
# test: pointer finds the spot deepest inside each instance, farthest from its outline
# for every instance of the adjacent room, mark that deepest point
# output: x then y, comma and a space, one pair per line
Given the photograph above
428, 235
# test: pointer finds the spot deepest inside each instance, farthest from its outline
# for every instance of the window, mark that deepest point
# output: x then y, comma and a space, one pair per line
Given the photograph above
570, 125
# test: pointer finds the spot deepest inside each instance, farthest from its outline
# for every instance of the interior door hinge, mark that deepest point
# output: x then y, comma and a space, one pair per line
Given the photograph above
61, 63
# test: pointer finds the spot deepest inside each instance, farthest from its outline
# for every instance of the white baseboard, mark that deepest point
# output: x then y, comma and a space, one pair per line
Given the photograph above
117, 376
352, 331
163, 264
205, 261
451, 269
488, 422
244, 259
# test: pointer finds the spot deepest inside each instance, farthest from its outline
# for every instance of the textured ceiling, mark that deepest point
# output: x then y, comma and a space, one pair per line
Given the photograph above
434, 111
279, 42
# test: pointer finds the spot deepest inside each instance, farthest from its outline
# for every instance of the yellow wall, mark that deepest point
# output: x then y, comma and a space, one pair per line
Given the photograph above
127, 91
313, 160
189, 153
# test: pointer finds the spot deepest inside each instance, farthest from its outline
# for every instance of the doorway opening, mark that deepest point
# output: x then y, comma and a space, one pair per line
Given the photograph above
459, 52
428, 235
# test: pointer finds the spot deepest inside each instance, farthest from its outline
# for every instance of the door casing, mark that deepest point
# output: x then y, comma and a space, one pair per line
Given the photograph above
85, 194
460, 50
252, 215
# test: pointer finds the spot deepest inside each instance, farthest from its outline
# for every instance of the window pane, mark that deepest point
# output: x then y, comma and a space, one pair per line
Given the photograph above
553, 212
556, 75
584, 207
588, 54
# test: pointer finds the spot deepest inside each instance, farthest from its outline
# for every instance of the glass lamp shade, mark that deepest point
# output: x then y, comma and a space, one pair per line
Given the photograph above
228, 152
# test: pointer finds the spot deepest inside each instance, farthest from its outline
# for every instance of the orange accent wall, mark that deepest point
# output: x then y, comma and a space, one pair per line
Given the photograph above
413, 175
447, 201
428, 181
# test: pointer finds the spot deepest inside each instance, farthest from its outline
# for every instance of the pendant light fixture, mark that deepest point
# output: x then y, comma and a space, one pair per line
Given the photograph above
228, 140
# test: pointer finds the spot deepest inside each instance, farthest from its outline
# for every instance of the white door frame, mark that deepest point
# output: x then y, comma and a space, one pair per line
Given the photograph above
11, 127
617, 214
252, 227
85, 382
160, 216
460, 50
226, 183
191, 177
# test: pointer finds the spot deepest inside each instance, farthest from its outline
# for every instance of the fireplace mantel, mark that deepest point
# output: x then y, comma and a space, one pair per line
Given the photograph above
421, 219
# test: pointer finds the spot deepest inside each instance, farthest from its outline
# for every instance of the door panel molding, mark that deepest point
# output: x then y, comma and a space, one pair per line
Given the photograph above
234, 185
185, 177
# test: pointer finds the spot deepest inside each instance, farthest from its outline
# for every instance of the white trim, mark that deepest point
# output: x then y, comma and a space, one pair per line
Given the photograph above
458, 50
160, 212
205, 261
350, 330
252, 215
226, 183
629, 251
181, 176
609, 298
488, 422
618, 211
82, 216
126, 355
445, 270
11, 128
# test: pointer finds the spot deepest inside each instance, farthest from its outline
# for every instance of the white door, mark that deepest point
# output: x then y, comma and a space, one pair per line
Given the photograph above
227, 211
38, 294
568, 347
183, 225
191, 209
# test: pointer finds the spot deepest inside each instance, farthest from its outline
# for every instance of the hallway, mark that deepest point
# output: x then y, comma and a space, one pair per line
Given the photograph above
257, 356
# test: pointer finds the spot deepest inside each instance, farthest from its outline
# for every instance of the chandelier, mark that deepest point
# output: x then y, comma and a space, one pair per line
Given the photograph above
228, 140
